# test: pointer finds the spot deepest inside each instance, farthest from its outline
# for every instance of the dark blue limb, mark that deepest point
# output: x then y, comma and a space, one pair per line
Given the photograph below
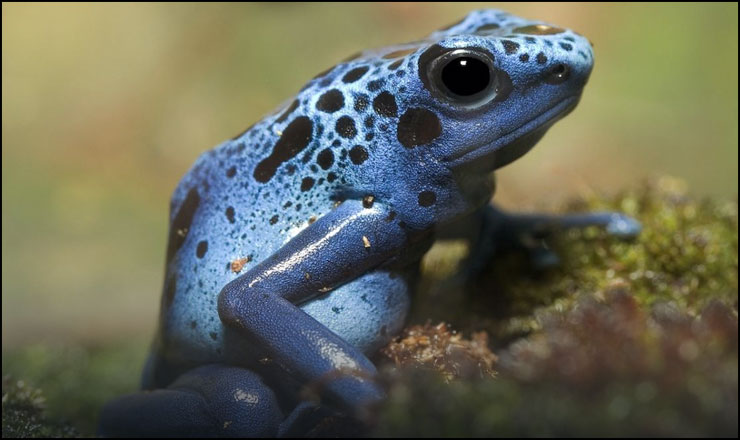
209, 401
501, 231
261, 304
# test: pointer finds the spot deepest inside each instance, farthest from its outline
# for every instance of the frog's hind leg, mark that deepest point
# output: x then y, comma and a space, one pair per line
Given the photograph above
501, 231
210, 401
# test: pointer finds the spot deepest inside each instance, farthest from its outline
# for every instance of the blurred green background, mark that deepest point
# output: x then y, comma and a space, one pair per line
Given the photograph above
104, 108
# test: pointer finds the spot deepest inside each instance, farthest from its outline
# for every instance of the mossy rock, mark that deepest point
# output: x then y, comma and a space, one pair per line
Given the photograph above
634, 338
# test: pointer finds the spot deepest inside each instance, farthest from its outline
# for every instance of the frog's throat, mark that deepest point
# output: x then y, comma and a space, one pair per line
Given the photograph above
510, 146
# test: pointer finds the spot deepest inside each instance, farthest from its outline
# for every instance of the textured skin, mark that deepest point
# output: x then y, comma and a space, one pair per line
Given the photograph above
293, 246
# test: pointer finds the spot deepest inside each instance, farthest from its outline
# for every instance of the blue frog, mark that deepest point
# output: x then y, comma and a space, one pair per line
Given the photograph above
293, 246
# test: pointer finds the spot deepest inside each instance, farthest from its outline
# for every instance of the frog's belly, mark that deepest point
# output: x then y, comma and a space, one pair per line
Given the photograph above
365, 312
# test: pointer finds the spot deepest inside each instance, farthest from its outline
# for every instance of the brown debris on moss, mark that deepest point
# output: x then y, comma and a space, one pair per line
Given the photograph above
437, 348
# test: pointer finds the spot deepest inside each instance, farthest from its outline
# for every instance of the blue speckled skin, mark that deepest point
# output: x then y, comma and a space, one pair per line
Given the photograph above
294, 245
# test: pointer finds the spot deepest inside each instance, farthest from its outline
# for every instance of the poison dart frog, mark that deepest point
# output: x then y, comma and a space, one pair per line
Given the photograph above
293, 246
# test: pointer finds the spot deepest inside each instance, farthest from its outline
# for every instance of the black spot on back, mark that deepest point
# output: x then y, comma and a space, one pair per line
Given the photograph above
524, 57
358, 154
566, 46
181, 223
354, 74
486, 28
541, 58
427, 198
330, 101
288, 111
325, 159
375, 85
295, 138
202, 248
324, 73
231, 172
510, 46
346, 127
274, 219
307, 183
230, 214
418, 126
385, 105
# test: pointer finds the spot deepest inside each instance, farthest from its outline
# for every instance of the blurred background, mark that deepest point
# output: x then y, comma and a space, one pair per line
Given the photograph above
105, 107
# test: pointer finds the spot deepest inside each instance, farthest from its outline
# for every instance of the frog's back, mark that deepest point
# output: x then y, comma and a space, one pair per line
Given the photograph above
221, 224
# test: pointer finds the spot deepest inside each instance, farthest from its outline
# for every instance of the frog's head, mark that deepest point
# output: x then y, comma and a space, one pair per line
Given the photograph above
496, 83
482, 91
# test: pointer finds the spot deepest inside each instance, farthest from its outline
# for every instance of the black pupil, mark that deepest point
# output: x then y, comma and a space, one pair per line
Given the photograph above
466, 76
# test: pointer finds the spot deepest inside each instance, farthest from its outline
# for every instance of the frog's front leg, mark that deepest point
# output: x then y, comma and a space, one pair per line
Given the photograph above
501, 231
261, 304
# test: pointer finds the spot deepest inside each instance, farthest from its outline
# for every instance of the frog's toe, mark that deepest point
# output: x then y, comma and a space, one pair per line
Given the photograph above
623, 226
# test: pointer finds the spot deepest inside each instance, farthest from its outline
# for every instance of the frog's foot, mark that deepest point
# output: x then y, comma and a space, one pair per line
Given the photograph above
503, 231
209, 401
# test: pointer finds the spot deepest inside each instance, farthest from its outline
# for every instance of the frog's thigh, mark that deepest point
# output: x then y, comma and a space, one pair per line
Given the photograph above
367, 311
213, 400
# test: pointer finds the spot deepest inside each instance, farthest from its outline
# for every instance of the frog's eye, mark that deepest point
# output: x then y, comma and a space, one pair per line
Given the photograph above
464, 76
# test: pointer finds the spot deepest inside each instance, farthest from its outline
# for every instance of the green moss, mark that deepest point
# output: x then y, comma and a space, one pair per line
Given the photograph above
23, 413
76, 381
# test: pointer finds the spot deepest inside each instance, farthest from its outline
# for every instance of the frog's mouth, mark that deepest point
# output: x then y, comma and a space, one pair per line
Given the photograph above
511, 146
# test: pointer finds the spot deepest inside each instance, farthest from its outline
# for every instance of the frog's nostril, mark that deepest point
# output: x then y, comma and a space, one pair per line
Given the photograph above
558, 74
